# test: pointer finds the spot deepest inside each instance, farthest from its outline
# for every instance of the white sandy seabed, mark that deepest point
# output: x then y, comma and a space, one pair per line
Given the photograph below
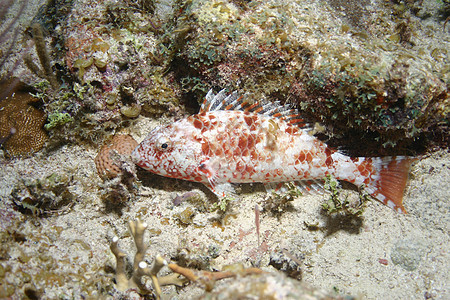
386, 256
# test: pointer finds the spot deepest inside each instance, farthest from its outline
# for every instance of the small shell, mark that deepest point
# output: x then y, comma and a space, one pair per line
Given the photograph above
131, 111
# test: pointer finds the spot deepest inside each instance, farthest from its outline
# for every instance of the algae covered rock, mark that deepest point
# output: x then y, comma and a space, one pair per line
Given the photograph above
366, 75
268, 286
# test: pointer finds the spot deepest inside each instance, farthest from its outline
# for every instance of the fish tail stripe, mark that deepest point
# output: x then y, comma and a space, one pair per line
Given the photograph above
391, 181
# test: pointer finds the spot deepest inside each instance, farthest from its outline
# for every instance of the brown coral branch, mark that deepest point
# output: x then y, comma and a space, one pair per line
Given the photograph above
172, 279
121, 278
188, 273
137, 229
211, 276
141, 268
43, 55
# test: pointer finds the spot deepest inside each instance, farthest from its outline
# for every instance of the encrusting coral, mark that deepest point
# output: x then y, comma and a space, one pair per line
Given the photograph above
106, 165
141, 269
115, 167
21, 124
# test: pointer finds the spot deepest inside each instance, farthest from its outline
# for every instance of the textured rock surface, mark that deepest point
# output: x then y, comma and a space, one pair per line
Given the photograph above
124, 144
21, 124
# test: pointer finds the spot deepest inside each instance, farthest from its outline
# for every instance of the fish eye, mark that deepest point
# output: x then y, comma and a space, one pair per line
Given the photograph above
163, 144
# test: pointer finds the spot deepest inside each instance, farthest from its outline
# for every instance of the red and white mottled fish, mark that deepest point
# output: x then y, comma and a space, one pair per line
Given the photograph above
231, 141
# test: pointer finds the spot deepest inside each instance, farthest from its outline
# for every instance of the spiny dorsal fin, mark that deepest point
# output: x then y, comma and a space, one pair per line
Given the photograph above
221, 101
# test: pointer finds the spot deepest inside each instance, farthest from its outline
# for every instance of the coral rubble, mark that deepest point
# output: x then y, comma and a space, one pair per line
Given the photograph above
123, 144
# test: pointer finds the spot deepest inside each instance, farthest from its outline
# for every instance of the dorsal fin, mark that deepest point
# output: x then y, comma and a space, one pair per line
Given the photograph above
233, 101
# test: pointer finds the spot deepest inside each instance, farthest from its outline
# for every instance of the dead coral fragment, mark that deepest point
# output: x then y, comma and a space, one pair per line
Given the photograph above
287, 263
140, 268
209, 278
107, 167
21, 124
270, 286
45, 196
44, 57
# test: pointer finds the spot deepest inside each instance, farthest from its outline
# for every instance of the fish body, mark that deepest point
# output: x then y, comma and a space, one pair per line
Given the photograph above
231, 141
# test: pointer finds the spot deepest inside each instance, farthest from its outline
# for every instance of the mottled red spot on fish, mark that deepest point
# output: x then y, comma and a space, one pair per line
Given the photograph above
248, 120
197, 123
329, 159
240, 166
249, 170
242, 142
362, 169
250, 142
205, 148
221, 137
291, 130
300, 158
253, 154
218, 151
309, 157
237, 151
261, 157
206, 123
228, 153
214, 122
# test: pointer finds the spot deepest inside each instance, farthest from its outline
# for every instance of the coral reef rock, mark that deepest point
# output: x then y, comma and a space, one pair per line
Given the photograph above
124, 144
21, 124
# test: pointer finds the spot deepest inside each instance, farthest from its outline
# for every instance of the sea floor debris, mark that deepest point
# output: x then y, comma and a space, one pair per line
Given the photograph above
179, 277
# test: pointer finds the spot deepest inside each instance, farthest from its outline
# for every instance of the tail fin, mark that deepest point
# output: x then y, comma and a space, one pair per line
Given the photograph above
390, 182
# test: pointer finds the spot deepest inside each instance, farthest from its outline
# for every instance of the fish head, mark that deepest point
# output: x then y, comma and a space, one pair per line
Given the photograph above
171, 150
